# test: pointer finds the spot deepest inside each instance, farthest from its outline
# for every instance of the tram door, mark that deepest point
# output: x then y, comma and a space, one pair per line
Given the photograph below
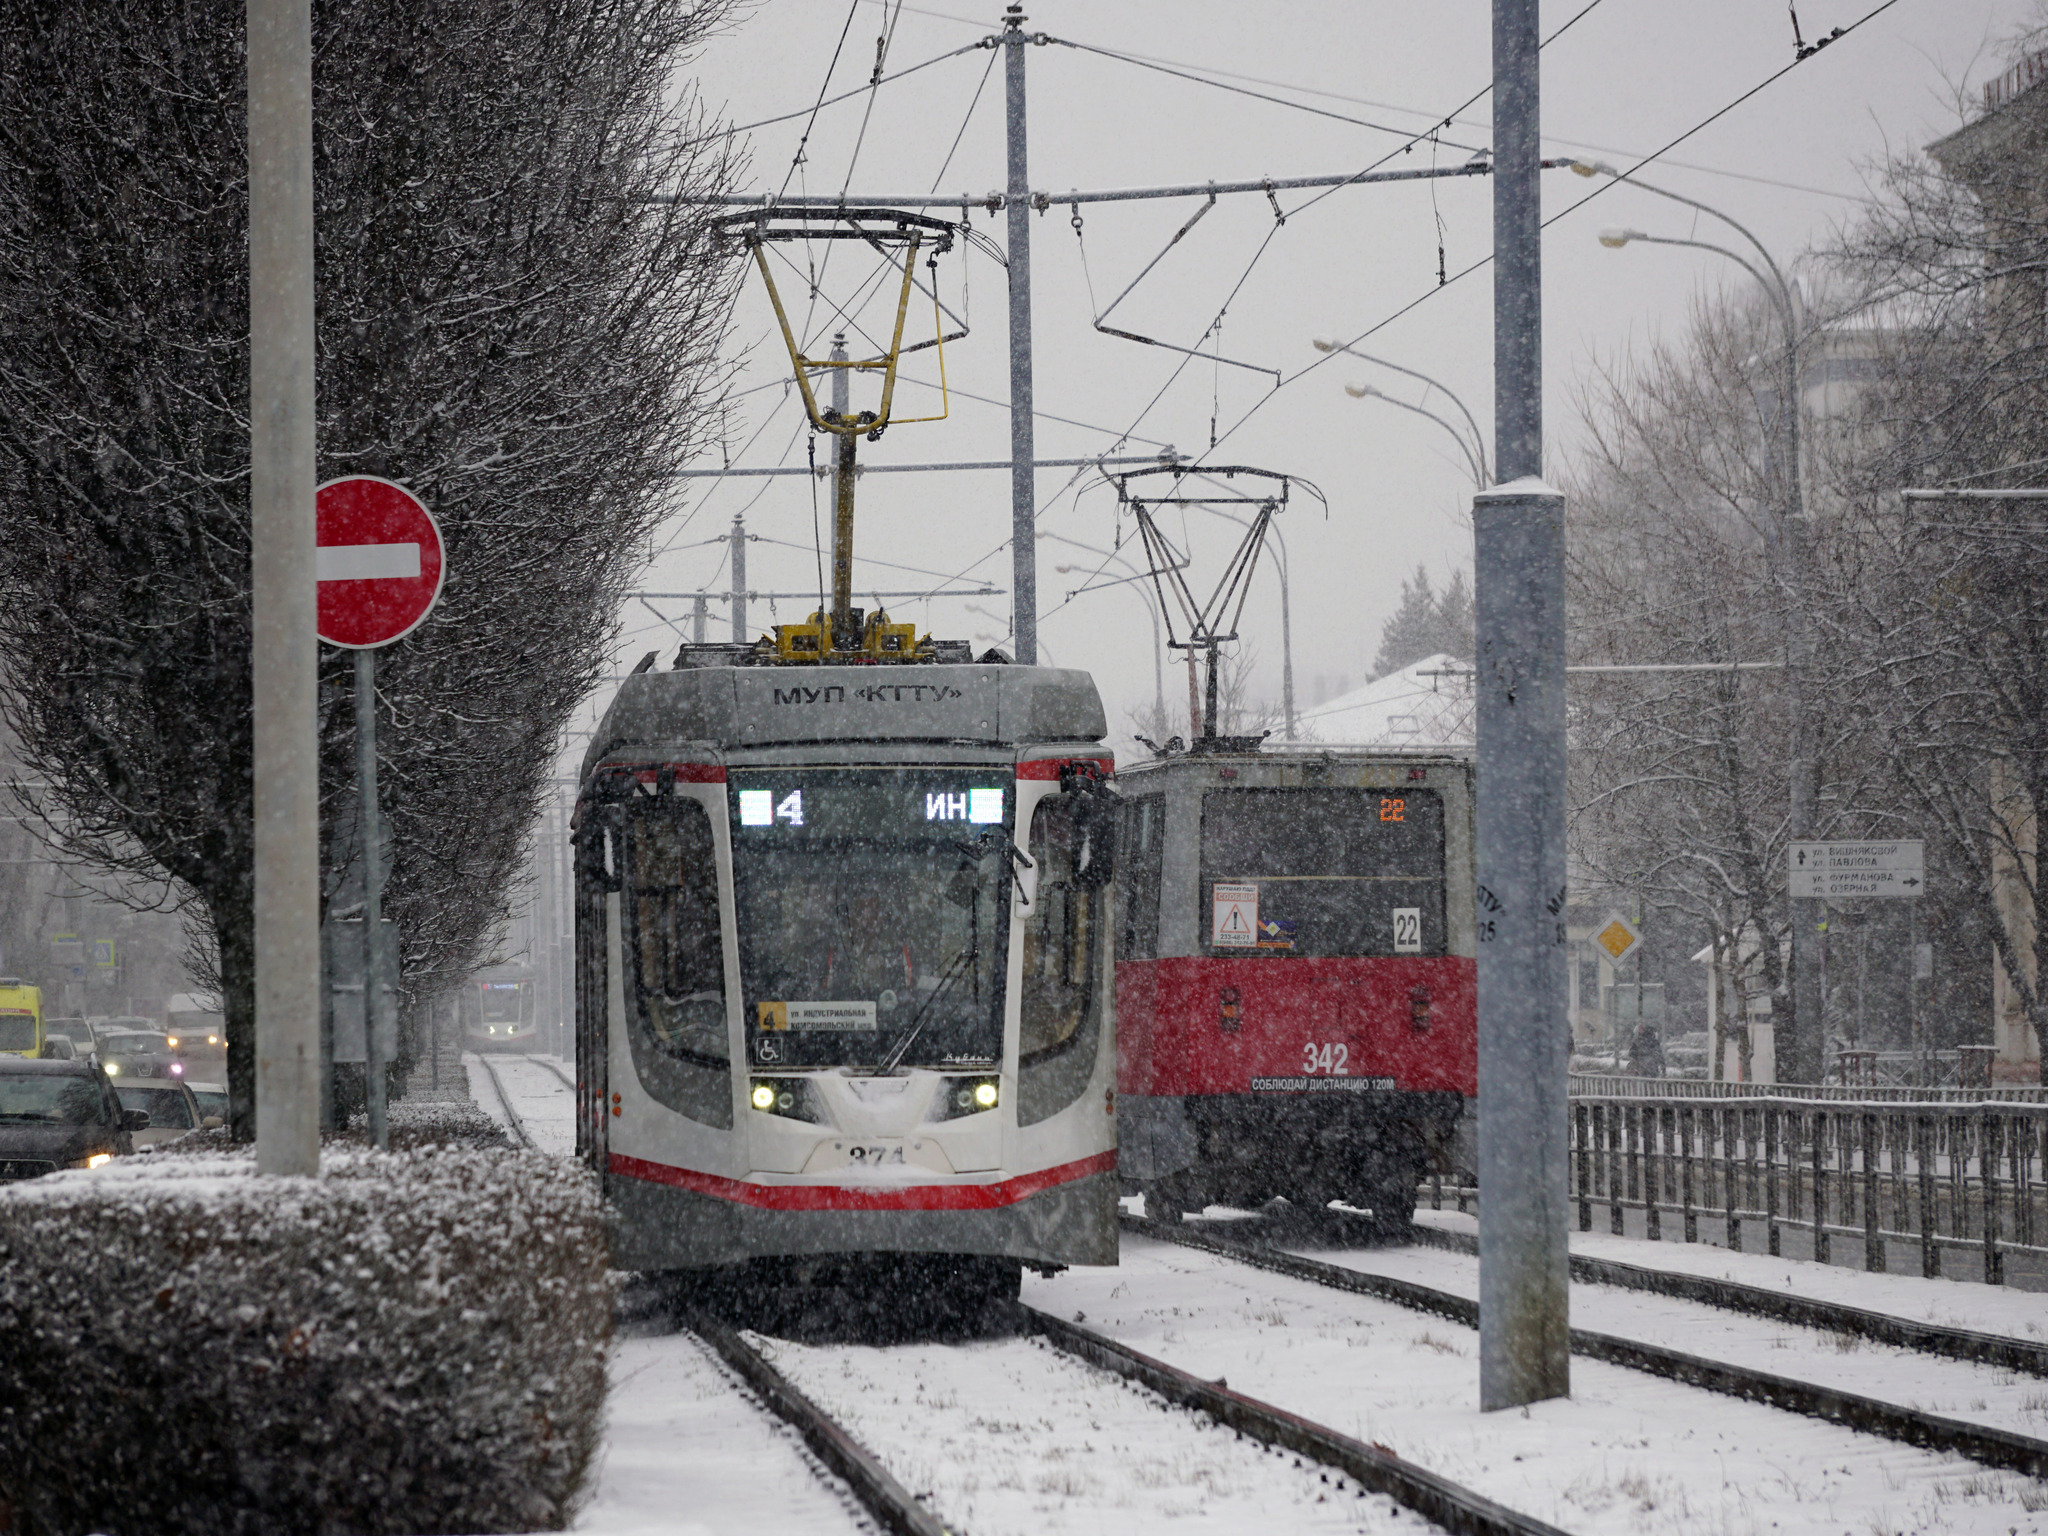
596, 899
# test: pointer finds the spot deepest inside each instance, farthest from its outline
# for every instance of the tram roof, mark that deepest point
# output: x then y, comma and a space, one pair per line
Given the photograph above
755, 706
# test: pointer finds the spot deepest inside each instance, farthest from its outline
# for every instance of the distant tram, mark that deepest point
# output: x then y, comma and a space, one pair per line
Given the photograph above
843, 982
1296, 976
496, 1006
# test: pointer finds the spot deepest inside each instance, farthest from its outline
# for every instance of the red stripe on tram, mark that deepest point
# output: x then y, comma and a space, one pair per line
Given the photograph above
841, 1197
1049, 767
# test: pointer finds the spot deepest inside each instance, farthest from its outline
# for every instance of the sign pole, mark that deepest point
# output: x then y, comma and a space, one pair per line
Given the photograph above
283, 1113
380, 567
370, 821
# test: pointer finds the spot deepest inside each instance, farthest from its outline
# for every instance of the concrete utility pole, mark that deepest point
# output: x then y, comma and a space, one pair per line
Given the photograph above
1518, 581
842, 506
739, 580
284, 652
1023, 481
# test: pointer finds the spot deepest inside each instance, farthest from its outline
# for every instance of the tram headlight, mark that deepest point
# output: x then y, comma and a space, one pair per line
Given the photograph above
792, 1098
967, 1096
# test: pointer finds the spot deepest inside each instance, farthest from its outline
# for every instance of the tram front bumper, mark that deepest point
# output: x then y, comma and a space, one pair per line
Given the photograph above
670, 1218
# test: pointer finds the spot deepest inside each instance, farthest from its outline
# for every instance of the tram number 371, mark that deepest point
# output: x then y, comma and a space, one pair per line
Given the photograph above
1326, 1060
875, 1156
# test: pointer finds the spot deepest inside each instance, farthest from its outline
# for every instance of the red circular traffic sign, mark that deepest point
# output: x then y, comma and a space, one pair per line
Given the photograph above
378, 563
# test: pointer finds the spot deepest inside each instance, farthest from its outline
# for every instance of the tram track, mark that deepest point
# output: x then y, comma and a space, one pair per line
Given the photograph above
1449, 1505
566, 1080
1997, 1350
1983, 1444
893, 1506
512, 1117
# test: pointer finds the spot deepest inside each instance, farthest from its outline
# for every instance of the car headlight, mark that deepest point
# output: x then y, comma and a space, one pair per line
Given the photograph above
113, 1069
99, 1160
171, 1041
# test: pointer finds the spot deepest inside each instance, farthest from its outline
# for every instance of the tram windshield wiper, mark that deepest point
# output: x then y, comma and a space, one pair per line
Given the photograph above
960, 965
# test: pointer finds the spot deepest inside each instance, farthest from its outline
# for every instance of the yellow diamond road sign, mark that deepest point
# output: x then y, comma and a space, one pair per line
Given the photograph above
1618, 937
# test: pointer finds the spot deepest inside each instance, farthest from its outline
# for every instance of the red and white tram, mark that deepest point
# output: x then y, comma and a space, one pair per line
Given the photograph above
1295, 976
843, 983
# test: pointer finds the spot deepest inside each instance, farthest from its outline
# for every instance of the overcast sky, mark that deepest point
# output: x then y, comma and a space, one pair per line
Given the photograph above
1791, 162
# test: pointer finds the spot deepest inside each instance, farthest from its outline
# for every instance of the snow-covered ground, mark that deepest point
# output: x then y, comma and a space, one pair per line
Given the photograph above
687, 1453
543, 1102
1978, 1394
1626, 1453
1009, 1437
1952, 1303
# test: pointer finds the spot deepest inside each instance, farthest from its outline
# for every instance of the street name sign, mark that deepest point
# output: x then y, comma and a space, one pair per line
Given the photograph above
1849, 871
378, 561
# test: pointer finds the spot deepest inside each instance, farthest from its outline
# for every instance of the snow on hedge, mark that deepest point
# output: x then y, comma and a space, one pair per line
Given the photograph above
412, 1341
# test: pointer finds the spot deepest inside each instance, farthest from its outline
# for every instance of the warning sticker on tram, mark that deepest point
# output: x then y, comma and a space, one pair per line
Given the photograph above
851, 1015
1234, 917
1321, 1084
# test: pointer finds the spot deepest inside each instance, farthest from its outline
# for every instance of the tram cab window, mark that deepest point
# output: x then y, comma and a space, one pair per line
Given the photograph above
674, 958
1322, 872
1065, 929
1138, 858
873, 910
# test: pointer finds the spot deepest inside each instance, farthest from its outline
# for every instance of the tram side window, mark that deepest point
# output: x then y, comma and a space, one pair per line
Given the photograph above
1144, 838
675, 959
1059, 1013
1322, 872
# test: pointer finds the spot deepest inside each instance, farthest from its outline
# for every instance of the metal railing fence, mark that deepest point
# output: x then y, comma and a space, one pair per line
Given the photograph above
1934, 1172
1603, 1086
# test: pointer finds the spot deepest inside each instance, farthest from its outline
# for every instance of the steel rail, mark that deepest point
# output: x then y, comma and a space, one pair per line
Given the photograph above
1451, 1505
892, 1505
1980, 1443
512, 1115
541, 1061
1998, 1350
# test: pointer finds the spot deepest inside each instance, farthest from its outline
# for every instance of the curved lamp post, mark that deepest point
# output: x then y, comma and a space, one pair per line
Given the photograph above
1802, 769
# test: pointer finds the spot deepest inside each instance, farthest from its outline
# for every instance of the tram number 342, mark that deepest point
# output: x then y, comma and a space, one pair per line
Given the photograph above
1326, 1060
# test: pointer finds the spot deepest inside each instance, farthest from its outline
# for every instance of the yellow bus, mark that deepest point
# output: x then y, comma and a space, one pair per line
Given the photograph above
21, 1018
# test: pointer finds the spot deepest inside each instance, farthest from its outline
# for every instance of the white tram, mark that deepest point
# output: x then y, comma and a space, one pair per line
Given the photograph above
843, 984
496, 1006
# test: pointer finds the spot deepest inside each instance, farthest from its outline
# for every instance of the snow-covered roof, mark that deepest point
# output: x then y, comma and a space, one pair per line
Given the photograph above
1427, 703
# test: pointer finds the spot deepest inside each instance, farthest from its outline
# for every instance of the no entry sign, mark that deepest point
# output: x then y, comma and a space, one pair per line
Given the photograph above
378, 563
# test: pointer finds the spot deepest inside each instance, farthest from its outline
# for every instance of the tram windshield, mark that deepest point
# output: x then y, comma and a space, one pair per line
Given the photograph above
873, 912
502, 1000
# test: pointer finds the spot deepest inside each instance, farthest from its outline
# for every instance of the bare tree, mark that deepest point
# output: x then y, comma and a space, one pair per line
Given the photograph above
506, 323
1952, 609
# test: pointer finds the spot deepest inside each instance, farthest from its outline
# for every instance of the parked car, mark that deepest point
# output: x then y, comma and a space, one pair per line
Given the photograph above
128, 1052
60, 1114
171, 1108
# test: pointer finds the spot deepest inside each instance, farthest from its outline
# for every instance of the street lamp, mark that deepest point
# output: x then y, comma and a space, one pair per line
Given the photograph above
1802, 768
1478, 437
1473, 463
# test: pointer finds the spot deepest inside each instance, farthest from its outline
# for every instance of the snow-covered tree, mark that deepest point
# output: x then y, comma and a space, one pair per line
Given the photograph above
506, 323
